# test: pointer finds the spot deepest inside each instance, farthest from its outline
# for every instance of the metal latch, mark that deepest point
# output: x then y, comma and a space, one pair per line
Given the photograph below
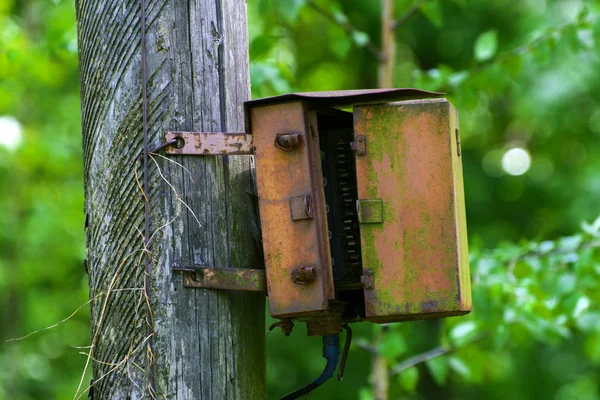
301, 207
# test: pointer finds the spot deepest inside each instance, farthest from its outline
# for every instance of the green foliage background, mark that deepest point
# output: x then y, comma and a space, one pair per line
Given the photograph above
523, 74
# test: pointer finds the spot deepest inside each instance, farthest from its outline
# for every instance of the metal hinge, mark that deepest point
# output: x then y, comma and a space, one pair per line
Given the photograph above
367, 279
360, 146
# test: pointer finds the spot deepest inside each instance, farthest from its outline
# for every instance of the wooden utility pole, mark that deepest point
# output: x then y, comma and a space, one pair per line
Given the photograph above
148, 66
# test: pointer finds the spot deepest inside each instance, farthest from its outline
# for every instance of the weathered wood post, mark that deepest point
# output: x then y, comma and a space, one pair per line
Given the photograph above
148, 67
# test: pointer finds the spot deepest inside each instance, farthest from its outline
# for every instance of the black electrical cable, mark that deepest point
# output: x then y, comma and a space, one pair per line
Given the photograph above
345, 352
331, 352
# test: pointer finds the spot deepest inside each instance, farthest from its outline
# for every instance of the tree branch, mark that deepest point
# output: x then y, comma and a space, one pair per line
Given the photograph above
365, 345
409, 13
430, 355
346, 26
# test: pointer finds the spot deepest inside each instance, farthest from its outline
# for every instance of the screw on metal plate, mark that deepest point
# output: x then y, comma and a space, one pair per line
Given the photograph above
288, 141
360, 146
367, 279
303, 275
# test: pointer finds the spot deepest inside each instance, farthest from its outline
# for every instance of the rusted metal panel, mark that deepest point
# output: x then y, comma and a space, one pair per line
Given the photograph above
291, 244
417, 257
209, 143
224, 278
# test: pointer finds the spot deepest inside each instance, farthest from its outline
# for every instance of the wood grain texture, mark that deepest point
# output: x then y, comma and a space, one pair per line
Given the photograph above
208, 344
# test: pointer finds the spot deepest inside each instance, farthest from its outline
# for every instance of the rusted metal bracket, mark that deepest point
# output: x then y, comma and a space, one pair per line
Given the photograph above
198, 277
209, 143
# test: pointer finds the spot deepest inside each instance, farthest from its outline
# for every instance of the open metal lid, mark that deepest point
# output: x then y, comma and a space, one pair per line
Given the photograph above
346, 98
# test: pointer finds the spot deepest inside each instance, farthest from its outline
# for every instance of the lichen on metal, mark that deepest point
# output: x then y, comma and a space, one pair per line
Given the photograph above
419, 253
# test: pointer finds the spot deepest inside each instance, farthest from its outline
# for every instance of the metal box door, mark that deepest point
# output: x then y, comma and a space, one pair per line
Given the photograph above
291, 201
411, 210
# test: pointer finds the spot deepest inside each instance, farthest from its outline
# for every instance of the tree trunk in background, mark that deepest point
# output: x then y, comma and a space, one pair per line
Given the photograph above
379, 375
388, 45
206, 344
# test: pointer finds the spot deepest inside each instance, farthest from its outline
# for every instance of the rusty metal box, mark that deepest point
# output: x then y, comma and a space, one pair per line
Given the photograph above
361, 205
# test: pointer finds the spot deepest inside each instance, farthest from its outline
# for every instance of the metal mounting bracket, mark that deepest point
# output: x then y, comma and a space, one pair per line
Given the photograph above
199, 277
215, 143
209, 143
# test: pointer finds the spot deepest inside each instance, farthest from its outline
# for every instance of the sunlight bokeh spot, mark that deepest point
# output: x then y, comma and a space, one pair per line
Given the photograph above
10, 132
516, 161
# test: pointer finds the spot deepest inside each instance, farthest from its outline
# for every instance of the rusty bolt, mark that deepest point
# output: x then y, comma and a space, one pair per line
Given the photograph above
287, 141
303, 275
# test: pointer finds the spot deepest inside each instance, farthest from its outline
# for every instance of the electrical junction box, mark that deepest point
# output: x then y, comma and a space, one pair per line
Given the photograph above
361, 206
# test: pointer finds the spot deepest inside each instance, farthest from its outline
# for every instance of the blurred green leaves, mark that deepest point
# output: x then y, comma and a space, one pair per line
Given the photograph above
486, 45
41, 218
433, 11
